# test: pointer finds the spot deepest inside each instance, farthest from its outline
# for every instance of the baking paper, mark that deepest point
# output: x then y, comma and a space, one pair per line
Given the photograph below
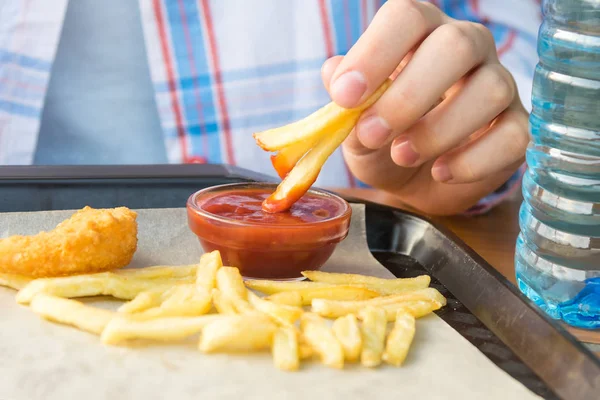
43, 360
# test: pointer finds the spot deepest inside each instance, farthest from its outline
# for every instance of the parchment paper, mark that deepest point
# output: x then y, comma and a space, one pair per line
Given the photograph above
42, 360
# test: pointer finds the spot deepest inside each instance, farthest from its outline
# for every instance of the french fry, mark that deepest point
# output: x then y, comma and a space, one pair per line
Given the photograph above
285, 315
272, 287
206, 275
337, 308
305, 173
128, 327
285, 349
222, 304
293, 299
238, 333
373, 330
143, 301
288, 157
159, 271
348, 333
322, 340
231, 285
71, 312
399, 339
101, 284
383, 286
316, 125
14, 281
180, 301
305, 350
305, 297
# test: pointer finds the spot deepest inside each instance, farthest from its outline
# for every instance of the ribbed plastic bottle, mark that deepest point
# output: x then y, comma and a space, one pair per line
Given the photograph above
558, 251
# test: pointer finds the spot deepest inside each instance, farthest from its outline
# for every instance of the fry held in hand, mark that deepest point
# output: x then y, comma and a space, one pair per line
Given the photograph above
304, 146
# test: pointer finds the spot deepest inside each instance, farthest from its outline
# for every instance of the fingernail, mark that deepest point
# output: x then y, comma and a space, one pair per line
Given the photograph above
441, 173
348, 89
373, 131
404, 153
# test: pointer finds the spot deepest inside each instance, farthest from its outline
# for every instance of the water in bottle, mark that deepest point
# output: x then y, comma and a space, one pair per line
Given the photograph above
558, 251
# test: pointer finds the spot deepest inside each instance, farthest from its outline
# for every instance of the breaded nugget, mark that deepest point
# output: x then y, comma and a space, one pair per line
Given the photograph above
92, 240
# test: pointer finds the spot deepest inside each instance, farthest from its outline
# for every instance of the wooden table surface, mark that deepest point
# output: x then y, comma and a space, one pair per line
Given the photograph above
493, 236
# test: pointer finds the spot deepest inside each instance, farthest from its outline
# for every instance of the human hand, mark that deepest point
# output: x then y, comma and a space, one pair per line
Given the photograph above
450, 129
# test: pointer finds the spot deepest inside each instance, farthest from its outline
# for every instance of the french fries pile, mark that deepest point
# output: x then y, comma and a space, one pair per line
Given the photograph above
304, 146
166, 303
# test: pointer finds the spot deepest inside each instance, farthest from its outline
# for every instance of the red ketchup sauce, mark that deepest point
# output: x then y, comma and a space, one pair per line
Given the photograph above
268, 245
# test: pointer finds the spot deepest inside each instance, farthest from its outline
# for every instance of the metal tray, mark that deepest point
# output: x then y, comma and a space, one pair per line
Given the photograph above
483, 306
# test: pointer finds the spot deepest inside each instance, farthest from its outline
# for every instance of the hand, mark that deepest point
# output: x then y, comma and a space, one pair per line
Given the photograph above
450, 129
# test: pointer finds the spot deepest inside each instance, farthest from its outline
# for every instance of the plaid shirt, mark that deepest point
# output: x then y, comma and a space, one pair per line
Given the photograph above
223, 69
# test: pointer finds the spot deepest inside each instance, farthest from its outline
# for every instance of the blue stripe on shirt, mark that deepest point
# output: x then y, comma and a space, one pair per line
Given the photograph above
23, 110
198, 105
9, 57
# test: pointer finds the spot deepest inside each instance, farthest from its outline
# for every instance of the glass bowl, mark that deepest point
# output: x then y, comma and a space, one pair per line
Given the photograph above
279, 246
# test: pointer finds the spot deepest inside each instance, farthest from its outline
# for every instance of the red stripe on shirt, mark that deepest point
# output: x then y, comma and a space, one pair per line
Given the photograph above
508, 44
193, 69
330, 53
326, 29
162, 33
475, 6
216, 67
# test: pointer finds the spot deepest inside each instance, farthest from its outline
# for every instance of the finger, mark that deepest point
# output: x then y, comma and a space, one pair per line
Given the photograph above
396, 28
484, 95
503, 145
328, 68
447, 55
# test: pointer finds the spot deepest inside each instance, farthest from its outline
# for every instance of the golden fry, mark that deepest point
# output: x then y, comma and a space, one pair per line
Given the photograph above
206, 277
322, 340
305, 173
180, 301
272, 287
285, 349
222, 304
285, 315
101, 284
143, 301
399, 340
348, 333
238, 333
383, 286
71, 312
128, 327
288, 298
14, 281
159, 271
231, 285
317, 125
335, 308
374, 325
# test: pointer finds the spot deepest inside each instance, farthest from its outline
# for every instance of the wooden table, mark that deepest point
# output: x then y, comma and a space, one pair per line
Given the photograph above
493, 236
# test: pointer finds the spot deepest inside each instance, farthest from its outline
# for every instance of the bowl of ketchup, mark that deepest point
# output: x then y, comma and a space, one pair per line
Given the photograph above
262, 245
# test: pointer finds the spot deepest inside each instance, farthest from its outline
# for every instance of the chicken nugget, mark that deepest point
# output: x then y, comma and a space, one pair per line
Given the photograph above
92, 240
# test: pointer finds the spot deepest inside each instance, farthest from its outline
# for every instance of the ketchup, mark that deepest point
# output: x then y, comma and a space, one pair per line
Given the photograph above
268, 245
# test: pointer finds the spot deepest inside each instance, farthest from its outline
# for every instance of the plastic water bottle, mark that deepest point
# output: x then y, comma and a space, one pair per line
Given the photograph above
558, 251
